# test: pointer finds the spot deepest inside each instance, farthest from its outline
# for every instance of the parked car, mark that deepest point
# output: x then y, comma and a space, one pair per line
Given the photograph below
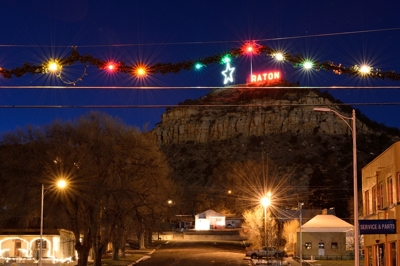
265, 252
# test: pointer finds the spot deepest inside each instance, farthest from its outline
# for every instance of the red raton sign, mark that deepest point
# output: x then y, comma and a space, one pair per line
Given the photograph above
266, 77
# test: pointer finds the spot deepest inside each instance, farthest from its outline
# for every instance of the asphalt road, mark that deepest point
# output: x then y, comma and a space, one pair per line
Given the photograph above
198, 253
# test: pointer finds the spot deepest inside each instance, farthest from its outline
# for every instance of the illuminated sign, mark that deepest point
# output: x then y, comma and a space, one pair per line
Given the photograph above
368, 227
265, 77
228, 73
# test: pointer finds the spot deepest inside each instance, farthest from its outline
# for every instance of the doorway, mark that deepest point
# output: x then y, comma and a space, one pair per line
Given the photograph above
321, 249
17, 247
393, 254
380, 255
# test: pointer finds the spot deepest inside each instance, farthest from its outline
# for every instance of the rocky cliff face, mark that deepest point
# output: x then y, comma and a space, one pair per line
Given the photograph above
206, 139
221, 115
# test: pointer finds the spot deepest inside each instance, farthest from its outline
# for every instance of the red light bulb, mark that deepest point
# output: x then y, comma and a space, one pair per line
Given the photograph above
250, 48
111, 67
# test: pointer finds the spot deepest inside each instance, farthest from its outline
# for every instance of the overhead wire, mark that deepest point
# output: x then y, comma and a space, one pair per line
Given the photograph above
201, 42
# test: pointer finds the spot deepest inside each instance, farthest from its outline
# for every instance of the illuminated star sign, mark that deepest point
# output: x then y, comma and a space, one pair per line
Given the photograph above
228, 73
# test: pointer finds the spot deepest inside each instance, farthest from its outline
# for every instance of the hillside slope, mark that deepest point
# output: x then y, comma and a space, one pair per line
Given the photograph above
206, 140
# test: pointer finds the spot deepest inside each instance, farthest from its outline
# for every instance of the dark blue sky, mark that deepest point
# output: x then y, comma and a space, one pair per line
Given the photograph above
346, 32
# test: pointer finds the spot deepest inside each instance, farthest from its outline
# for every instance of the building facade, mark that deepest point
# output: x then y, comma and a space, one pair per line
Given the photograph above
381, 198
325, 237
209, 220
24, 245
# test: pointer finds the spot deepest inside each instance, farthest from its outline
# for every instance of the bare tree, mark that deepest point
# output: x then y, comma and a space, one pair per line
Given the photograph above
113, 172
18, 164
253, 226
289, 233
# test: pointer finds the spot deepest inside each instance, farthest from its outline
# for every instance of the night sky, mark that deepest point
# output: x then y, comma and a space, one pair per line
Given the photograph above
344, 32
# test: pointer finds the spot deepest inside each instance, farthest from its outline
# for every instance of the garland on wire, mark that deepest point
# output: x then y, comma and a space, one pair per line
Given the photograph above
174, 68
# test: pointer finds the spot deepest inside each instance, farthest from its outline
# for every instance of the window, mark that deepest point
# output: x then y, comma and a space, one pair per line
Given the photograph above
366, 197
374, 199
308, 245
398, 187
44, 244
334, 245
390, 190
380, 195
321, 245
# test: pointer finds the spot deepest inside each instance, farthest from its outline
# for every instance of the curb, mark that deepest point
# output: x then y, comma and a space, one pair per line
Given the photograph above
145, 257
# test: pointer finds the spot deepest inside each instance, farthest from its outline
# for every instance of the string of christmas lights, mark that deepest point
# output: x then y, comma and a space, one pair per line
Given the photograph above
140, 70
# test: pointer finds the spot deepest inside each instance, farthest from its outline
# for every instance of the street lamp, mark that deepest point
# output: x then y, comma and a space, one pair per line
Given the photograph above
355, 192
61, 184
265, 202
301, 239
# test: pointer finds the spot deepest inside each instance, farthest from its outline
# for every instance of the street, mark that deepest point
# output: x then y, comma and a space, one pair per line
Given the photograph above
198, 253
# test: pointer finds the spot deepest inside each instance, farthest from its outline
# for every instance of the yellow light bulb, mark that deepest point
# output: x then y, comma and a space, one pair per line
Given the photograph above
53, 66
141, 71
364, 69
279, 56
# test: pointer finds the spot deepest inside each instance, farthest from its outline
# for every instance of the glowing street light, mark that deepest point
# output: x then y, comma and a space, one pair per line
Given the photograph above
355, 192
60, 184
265, 202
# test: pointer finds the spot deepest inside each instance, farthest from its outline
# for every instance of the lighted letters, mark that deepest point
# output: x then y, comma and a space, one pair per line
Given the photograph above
265, 77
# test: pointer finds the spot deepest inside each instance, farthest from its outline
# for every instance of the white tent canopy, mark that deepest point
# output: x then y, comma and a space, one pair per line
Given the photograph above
326, 223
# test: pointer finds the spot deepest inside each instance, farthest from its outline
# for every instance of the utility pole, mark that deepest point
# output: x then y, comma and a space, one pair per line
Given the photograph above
301, 237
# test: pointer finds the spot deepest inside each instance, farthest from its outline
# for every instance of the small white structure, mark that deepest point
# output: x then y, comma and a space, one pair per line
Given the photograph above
326, 235
209, 220
24, 245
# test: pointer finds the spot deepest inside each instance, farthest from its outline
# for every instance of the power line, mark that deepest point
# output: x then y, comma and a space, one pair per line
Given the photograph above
120, 106
200, 42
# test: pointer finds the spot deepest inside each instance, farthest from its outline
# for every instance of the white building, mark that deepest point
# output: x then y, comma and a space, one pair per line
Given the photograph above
209, 220
325, 236
24, 245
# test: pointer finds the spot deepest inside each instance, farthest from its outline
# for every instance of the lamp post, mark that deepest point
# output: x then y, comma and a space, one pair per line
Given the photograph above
355, 192
265, 202
301, 236
41, 227
170, 202
60, 184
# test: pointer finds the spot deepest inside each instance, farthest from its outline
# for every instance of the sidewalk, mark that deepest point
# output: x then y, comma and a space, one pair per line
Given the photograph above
146, 254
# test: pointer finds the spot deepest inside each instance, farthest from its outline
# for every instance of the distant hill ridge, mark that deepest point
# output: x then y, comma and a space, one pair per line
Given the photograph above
228, 112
